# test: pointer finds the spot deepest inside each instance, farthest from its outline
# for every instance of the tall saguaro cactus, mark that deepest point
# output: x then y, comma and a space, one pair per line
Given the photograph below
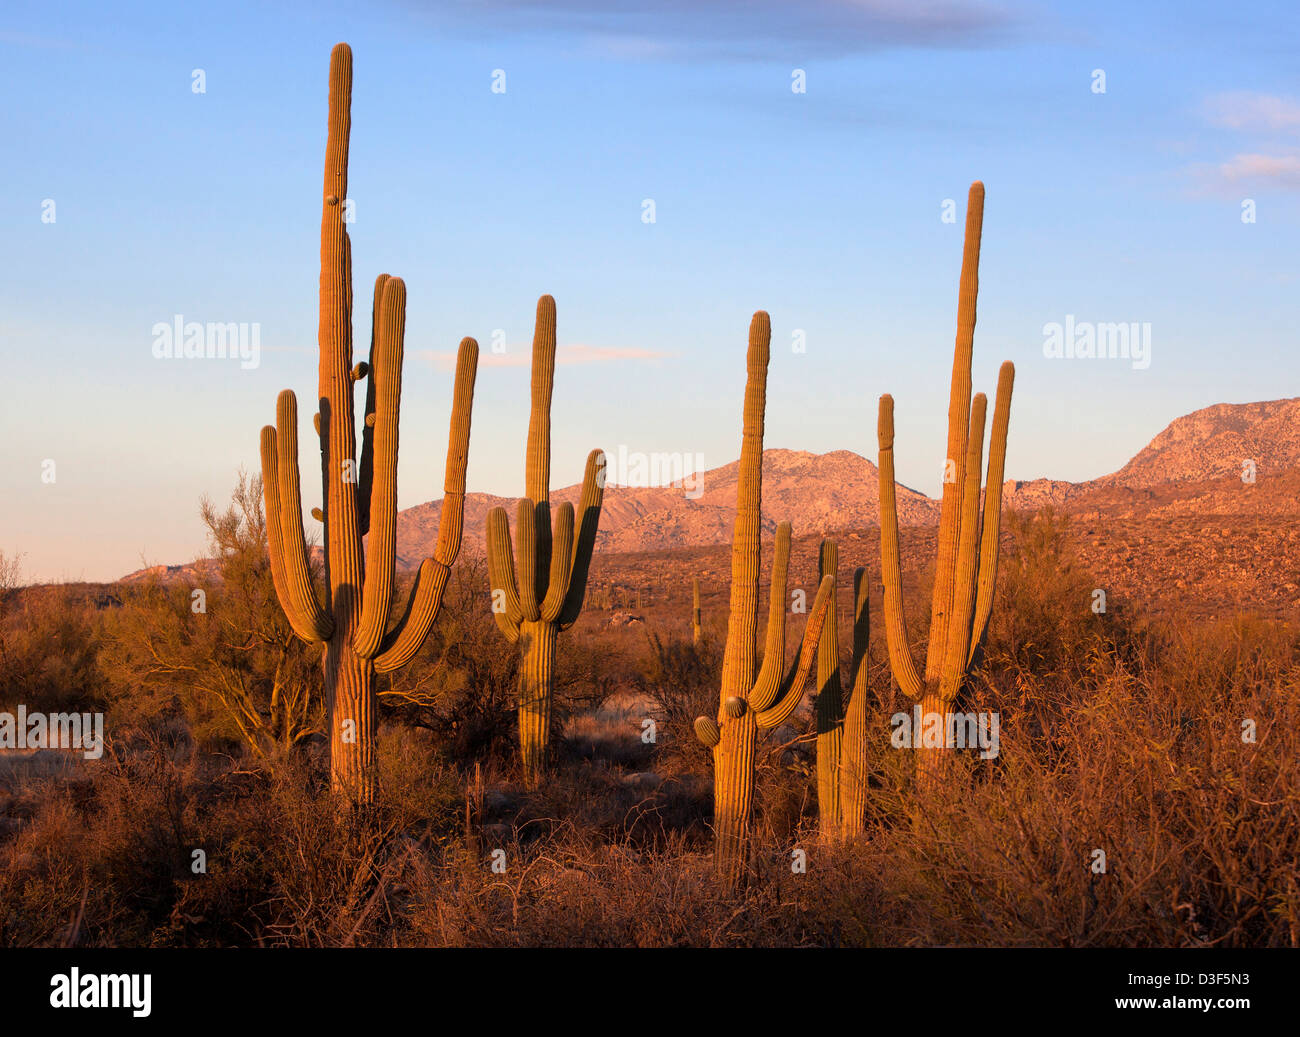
842, 732
966, 572
753, 698
553, 561
352, 623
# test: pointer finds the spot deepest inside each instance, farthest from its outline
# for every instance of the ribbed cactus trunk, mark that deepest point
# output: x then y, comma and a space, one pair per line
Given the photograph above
853, 752
536, 685
359, 499
350, 704
733, 796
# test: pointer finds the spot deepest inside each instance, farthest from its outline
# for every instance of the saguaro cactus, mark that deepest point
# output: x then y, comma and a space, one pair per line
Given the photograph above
751, 698
966, 573
353, 621
842, 733
697, 631
553, 562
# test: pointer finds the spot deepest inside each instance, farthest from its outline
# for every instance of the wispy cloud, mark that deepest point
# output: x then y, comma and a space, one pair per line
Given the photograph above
1282, 169
1273, 122
565, 356
757, 29
1245, 110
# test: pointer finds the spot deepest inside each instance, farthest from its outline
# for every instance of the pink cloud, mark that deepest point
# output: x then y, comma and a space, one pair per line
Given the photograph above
565, 356
1244, 110
1284, 169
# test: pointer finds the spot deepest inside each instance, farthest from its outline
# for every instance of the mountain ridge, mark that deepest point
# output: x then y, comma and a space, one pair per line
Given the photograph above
1193, 466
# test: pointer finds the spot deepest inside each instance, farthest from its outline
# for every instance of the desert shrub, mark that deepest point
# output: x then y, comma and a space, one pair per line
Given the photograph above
461, 685
1043, 621
109, 858
244, 678
682, 679
50, 639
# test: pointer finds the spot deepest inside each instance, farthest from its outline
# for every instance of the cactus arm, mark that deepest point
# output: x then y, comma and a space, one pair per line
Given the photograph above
537, 462
422, 607
303, 623
828, 646
561, 564
768, 686
293, 547
854, 769
501, 571
829, 706
366, 467
425, 600
526, 529
381, 554
861, 628
588, 519
900, 649
793, 687
989, 544
958, 416
271, 500
959, 626
451, 522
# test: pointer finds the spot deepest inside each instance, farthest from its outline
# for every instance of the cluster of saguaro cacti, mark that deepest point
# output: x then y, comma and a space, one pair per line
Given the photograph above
751, 698
697, 631
966, 572
841, 731
352, 622
553, 561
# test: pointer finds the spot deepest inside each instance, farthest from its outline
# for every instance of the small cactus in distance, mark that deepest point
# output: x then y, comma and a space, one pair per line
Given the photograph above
751, 698
697, 631
352, 624
966, 572
553, 559
841, 732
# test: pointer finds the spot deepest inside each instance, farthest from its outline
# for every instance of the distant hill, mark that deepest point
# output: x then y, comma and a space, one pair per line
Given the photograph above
1191, 468
816, 492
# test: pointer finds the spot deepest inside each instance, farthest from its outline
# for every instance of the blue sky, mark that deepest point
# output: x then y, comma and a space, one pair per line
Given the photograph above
823, 208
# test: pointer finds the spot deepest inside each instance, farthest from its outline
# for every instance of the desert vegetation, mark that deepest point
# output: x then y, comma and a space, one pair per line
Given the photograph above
1120, 733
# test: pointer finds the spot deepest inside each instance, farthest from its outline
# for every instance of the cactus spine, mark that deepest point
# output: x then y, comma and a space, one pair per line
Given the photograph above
751, 698
553, 562
842, 733
697, 631
966, 572
352, 623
